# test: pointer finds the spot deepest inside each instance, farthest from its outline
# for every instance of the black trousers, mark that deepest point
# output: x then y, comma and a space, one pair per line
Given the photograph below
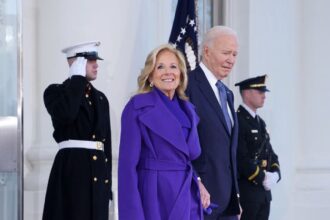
255, 211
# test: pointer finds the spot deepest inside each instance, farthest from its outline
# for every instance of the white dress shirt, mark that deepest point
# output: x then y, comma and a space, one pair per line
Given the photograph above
212, 81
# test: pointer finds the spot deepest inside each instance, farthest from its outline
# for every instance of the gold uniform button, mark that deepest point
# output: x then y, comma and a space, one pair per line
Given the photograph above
106, 160
95, 179
255, 138
86, 95
103, 140
94, 157
89, 102
93, 136
106, 181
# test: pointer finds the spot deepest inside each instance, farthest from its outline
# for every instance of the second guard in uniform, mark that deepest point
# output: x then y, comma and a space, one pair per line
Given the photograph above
79, 186
258, 164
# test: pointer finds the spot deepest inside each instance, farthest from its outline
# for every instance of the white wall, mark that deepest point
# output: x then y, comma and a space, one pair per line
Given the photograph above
288, 40
273, 50
313, 179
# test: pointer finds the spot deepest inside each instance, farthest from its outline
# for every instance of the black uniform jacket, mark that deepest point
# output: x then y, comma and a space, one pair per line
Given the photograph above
79, 185
251, 161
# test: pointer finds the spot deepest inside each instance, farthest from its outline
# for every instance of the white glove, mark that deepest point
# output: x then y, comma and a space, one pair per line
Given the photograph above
78, 67
270, 180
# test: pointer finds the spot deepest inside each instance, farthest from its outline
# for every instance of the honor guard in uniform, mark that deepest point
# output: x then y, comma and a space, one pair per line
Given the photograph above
79, 186
258, 164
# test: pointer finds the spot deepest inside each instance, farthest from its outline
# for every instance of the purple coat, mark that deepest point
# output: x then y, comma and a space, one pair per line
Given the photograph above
155, 176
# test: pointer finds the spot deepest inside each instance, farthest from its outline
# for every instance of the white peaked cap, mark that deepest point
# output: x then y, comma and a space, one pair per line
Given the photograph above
91, 46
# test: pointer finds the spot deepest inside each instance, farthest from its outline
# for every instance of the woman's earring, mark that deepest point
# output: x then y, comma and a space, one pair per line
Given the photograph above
151, 84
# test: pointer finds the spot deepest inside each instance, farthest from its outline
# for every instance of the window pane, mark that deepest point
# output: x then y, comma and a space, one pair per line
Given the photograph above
8, 58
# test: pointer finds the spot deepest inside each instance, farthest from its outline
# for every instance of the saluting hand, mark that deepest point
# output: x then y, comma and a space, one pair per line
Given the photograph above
78, 67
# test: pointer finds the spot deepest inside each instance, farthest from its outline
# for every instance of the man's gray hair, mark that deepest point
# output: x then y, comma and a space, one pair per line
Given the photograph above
215, 32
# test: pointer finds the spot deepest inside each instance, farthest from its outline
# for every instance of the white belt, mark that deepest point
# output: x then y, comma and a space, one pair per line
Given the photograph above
94, 145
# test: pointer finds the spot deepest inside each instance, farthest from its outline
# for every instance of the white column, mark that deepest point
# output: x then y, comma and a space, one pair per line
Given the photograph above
313, 171
269, 44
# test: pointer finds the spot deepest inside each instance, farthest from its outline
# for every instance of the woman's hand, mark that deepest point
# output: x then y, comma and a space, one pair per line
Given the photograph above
205, 196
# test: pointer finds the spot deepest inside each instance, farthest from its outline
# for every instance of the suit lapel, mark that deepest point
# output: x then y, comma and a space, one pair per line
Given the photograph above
209, 95
233, 113
163, 123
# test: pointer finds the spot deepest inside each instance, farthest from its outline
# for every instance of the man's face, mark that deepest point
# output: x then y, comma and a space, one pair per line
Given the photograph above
91, 70
254, 98
220, 56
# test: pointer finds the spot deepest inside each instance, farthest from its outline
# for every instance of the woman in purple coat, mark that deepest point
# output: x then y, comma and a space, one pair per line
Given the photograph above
158, 141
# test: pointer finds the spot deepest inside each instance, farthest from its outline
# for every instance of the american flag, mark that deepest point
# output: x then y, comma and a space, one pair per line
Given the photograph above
184, 31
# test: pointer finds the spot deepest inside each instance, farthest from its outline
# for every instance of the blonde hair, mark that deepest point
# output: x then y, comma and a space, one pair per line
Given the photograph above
149, 66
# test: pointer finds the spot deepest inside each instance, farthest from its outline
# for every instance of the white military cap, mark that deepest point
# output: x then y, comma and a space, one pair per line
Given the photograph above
89, 50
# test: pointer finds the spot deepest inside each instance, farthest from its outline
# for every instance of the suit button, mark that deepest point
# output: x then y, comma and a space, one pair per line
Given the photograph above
95, 179
94, 157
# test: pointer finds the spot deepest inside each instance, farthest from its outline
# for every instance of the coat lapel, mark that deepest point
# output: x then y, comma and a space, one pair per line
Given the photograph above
162, 122
192, 115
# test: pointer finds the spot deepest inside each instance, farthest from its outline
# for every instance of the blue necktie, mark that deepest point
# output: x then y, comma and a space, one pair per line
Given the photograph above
223, 102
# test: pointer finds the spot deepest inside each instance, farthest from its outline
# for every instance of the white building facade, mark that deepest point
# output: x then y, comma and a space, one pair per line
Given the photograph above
286, 39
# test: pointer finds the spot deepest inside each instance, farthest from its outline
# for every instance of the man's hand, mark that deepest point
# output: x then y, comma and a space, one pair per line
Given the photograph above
270, 180
205, 196
78, 67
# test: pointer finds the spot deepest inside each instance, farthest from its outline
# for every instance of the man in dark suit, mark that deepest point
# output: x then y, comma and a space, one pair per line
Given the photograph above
79, 185
218, 128
258, 165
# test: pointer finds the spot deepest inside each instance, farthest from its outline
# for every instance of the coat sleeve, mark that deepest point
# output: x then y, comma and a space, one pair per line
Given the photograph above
247, 168
129, 200
275, 164
63, 101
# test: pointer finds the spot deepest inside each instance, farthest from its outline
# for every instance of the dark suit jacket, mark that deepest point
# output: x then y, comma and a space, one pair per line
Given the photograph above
217, 164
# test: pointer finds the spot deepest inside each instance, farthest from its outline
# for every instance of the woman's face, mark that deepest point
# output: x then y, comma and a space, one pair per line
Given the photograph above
166, 75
